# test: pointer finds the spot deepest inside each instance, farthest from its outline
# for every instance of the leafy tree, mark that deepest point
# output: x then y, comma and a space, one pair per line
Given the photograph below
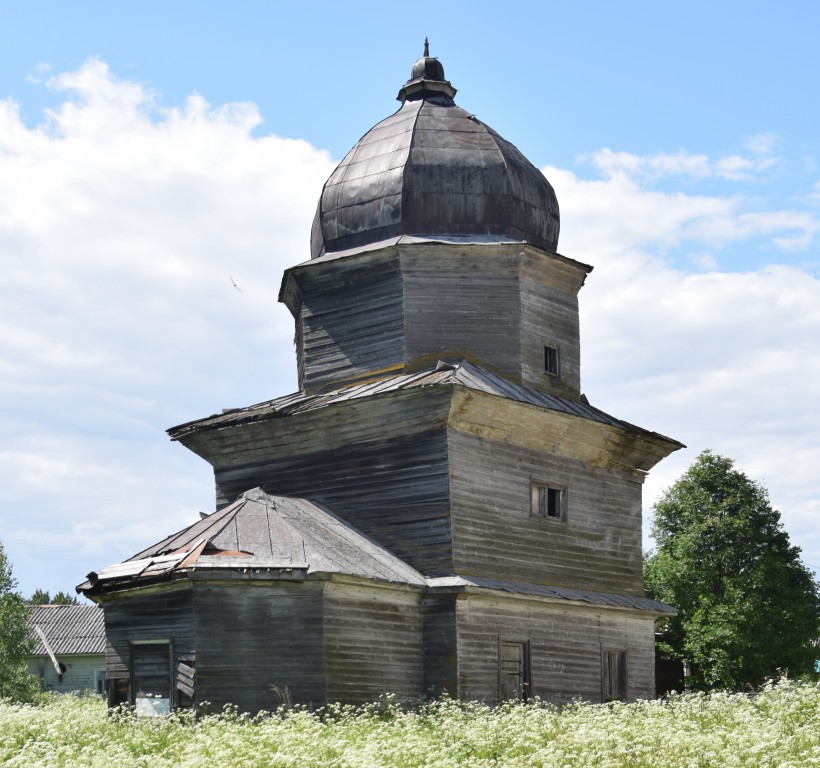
748, 607
15, 641
42, 597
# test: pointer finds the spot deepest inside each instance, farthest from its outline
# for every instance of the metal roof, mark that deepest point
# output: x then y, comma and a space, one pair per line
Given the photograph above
560, 593
260, 531
444, 374
69, 629
433, 168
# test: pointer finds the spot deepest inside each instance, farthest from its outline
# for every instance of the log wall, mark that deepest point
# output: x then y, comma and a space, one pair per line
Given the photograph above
565, 645
351, 322
395, 491
373, 642
597, 546
258, 641
462, 305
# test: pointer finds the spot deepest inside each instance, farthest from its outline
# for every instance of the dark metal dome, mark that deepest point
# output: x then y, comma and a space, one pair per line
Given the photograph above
433, 170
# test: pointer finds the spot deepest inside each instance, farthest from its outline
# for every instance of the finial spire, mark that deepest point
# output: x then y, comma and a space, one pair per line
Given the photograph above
426, 47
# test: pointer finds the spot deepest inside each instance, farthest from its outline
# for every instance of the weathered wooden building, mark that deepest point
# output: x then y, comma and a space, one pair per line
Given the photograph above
438, 508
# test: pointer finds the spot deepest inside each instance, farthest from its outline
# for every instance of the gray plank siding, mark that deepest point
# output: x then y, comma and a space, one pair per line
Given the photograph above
395, 491
597, 546
351, 322
440, 656
257, 638
462, 306
373, 643
565, 647
550, 315
157, 615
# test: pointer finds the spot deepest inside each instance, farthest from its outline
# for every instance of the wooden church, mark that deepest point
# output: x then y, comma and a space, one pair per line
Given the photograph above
438, 508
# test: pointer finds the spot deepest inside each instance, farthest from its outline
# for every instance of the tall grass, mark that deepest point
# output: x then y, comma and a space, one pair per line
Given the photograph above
779, 727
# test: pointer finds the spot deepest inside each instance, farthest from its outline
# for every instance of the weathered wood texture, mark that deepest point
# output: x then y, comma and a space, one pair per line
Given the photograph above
395, 491
256, 640
440, 656
597, 546
400, 308
565, 647
460, 304
550, 316
373, 642
351, 322
166, 614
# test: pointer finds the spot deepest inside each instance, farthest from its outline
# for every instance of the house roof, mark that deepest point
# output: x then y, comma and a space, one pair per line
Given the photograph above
463, 374
67, 629
263, 532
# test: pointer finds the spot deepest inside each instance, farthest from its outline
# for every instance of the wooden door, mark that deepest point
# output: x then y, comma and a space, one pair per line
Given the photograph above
513, 670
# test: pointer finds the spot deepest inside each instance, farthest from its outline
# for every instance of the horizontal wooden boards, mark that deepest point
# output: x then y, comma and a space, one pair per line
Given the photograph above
597, 546
395, 491
565, 647
256, 640
373, 643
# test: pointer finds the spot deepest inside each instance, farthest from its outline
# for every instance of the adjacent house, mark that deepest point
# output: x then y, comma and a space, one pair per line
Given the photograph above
438, 508
69, 647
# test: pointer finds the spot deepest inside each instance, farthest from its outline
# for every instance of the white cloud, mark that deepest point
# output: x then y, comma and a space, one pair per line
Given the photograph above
734, 167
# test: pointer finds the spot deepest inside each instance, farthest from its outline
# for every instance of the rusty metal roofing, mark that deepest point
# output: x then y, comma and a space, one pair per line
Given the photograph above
433, 169
69, 629
459, 374
260, 531
561, 593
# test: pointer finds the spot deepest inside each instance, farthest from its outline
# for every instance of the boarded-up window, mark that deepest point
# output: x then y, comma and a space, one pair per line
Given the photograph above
151, 676
613, 674
514, 669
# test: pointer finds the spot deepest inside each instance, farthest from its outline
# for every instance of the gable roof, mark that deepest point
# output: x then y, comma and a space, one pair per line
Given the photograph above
66, 629
463, 374
261, 531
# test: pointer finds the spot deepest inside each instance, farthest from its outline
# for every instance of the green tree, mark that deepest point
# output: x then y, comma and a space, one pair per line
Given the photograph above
42, 597
15, 641
748, 607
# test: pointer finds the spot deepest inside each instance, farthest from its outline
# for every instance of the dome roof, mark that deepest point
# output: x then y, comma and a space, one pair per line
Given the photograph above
433, 170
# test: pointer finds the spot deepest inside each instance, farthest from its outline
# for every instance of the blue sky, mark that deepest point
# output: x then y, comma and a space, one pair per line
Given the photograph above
150, 152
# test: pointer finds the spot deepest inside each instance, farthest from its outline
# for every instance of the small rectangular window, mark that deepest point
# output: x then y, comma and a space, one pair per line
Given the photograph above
549, 501
613, 674
552, 360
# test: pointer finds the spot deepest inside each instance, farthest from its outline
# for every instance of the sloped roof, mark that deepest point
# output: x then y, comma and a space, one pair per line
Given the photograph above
561, 593
263, 531
463, 373
68, 629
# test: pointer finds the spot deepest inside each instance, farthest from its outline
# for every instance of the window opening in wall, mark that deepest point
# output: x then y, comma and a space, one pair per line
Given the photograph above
151, 664
613, 674
552, 360
549, 500
514, 669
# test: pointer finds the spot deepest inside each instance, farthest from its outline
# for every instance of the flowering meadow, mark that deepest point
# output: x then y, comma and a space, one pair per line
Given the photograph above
778, 727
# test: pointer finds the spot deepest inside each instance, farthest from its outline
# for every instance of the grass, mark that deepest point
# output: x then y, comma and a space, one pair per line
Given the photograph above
779, 727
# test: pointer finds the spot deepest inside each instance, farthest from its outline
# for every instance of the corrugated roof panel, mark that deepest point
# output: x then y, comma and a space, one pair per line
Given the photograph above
69, 629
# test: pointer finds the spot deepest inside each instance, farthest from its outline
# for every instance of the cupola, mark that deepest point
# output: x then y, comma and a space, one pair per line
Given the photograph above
433, 170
